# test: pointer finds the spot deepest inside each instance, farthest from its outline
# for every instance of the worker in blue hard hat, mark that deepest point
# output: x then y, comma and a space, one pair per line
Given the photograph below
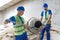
19, 24
46, 16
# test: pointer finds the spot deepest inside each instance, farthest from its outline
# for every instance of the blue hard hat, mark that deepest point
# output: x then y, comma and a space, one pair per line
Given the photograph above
20, 8
45, 5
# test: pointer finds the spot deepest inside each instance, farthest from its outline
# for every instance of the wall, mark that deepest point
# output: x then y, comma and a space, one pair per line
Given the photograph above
29, 12
34, 8
1, 17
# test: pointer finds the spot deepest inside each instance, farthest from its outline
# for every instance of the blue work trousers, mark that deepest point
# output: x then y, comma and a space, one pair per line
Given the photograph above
47, 29
21, 37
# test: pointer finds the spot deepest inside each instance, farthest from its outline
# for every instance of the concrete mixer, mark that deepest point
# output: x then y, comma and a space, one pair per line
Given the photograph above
35, 25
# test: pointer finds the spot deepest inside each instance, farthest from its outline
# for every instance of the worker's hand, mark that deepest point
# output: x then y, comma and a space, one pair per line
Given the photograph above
44, 23
5, 22
26, 26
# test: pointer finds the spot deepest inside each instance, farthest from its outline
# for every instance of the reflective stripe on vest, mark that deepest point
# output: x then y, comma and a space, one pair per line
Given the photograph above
19, 30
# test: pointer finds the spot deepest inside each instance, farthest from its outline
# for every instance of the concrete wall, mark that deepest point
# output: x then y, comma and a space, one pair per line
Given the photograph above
29, 12
1, 17
33, 8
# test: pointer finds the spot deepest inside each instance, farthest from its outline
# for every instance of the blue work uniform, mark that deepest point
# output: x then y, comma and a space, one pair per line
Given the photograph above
22, 36
46, 14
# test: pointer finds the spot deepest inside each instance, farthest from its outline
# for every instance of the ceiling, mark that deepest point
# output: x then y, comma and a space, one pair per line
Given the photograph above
13, 2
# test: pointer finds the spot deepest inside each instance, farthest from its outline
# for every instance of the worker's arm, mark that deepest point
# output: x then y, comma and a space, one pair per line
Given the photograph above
11, 19
41, 16
6, 21
25, 24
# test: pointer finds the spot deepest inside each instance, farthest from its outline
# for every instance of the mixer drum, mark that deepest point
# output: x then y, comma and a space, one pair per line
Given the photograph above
35, 25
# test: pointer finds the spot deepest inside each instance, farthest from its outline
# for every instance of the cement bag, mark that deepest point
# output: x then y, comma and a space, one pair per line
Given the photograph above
6, 30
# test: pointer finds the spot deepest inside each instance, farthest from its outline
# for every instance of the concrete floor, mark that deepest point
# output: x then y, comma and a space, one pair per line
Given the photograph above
7, 34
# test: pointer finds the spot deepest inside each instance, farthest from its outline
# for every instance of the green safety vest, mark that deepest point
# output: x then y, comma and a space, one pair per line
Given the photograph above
46, 17
18, 28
